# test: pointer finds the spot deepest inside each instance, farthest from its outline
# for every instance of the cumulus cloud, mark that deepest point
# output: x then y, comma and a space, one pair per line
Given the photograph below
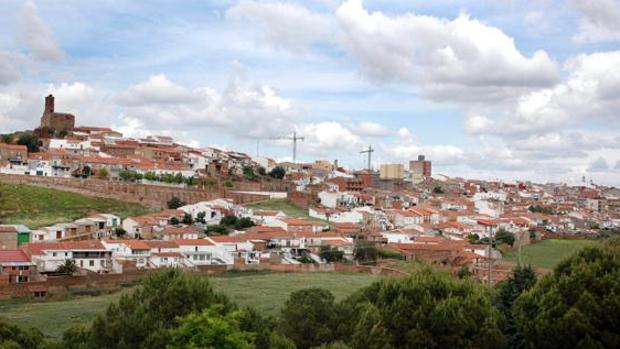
324, 138
370, 129
38, 36
477, 124
9, 67
284, 25
443, 55
242, 109
600, 20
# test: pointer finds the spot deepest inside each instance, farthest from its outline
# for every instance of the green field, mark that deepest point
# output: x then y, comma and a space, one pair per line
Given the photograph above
281, 205
36, 207
548, 253
265, 292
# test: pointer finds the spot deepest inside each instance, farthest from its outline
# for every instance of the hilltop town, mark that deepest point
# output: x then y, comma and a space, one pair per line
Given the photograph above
459, 224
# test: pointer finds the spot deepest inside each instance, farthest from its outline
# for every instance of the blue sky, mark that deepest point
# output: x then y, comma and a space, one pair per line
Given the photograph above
495, 89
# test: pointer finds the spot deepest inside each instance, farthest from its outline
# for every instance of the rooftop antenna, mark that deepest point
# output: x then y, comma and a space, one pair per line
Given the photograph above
369, 151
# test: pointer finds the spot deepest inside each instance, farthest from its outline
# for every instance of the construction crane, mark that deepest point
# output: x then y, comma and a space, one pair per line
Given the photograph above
294, 138
369, 151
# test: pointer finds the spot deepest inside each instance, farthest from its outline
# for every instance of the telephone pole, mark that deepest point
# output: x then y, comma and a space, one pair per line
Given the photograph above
369, 151
294, 138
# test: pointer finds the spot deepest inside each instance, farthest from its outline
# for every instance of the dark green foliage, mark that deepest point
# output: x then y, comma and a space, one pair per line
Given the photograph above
473, 238
174, 221
214, 327
243, 223
504, 237
430, 309
217, 229
248, 173
228, 221
120, 232
387, 253
86, 172
278, 172
68, 267
308, 317
334, 345
541, 209
261, 171
438, 190
187, 219
331, 255
365, 252
175, 202
200, 217
464, 272
143, 318
578, 305
6, 138
522, 279
30, 140
12, 336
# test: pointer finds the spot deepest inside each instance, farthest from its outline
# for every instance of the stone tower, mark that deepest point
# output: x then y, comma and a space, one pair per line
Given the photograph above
49, 104
52, 122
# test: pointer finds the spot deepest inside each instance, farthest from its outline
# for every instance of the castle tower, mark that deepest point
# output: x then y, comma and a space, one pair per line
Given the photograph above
49, 104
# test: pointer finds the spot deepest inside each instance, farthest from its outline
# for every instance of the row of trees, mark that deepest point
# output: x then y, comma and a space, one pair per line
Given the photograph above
501, 237
574, 306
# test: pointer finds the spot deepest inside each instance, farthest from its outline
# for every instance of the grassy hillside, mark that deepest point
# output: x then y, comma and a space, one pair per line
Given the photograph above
36, 207
548, 253
266, 292
281, 205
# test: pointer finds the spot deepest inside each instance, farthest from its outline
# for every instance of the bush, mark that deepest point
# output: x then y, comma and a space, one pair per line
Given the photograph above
308, 317
175, 202
331, 255
504, 237
277, 172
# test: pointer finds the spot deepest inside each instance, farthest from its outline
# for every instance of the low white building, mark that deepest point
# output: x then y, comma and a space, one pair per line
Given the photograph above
88, 255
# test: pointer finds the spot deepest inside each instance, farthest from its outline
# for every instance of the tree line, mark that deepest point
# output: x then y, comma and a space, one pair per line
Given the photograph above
576, 305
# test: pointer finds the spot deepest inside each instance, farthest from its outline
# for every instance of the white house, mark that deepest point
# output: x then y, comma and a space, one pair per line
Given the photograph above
89, 255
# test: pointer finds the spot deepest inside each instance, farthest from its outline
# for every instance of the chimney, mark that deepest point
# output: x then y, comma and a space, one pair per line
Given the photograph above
49, 104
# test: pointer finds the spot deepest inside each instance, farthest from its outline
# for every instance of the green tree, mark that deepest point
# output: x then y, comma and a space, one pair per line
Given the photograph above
504, 237
7, 138
331, 255
464, 272
243, 223
103, 173
229, 220
438, 190
86, 171
261, 171
429, 309
334, 345
365, 252
213, 328
12, 336
175, 202
68, 267
120, 232
30, 140
174, 221
217, 229
307, 317
522, 279
576, 306
143, 318
248, 173
277, 172
187, 219
473, 238
200, 218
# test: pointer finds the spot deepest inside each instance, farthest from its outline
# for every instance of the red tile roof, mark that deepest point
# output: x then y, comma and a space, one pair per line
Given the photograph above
13, 256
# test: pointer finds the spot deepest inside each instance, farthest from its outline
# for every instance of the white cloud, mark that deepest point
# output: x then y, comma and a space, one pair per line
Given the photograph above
447, 57
370, 129
71, 97
285, 25
600, 20
325, 138
9, 67
477, 124
38, 36
158, 89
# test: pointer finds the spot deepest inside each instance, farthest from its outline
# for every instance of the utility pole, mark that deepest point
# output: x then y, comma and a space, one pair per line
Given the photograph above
490, 277
369, 151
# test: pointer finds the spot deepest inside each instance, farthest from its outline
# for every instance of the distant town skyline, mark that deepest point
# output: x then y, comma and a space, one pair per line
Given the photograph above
502, 89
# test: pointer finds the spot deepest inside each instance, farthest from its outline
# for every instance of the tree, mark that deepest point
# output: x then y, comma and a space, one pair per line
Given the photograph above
7, 138
103, 173
365, 252
331, 255
541, 209
86, 171
68, 267
504, 237
473, 238
576, 306
277, 172
438, 190
12, 336
217, 229
30, 140
248, 173
120, 232
175, 202
200, 218
521, 280
308, 317
187, 219
228, 221
214, 328
429, 309
243, 223
261, 171
144, 318
174, 221
464, 272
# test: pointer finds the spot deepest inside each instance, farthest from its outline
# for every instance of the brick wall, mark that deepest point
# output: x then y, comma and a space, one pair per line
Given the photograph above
147, 195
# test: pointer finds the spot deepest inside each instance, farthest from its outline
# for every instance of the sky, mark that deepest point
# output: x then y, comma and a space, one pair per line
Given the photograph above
497, 89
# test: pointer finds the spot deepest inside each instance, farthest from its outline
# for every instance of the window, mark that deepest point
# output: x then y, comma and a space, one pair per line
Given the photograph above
91, 263
81, 264
53, 254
